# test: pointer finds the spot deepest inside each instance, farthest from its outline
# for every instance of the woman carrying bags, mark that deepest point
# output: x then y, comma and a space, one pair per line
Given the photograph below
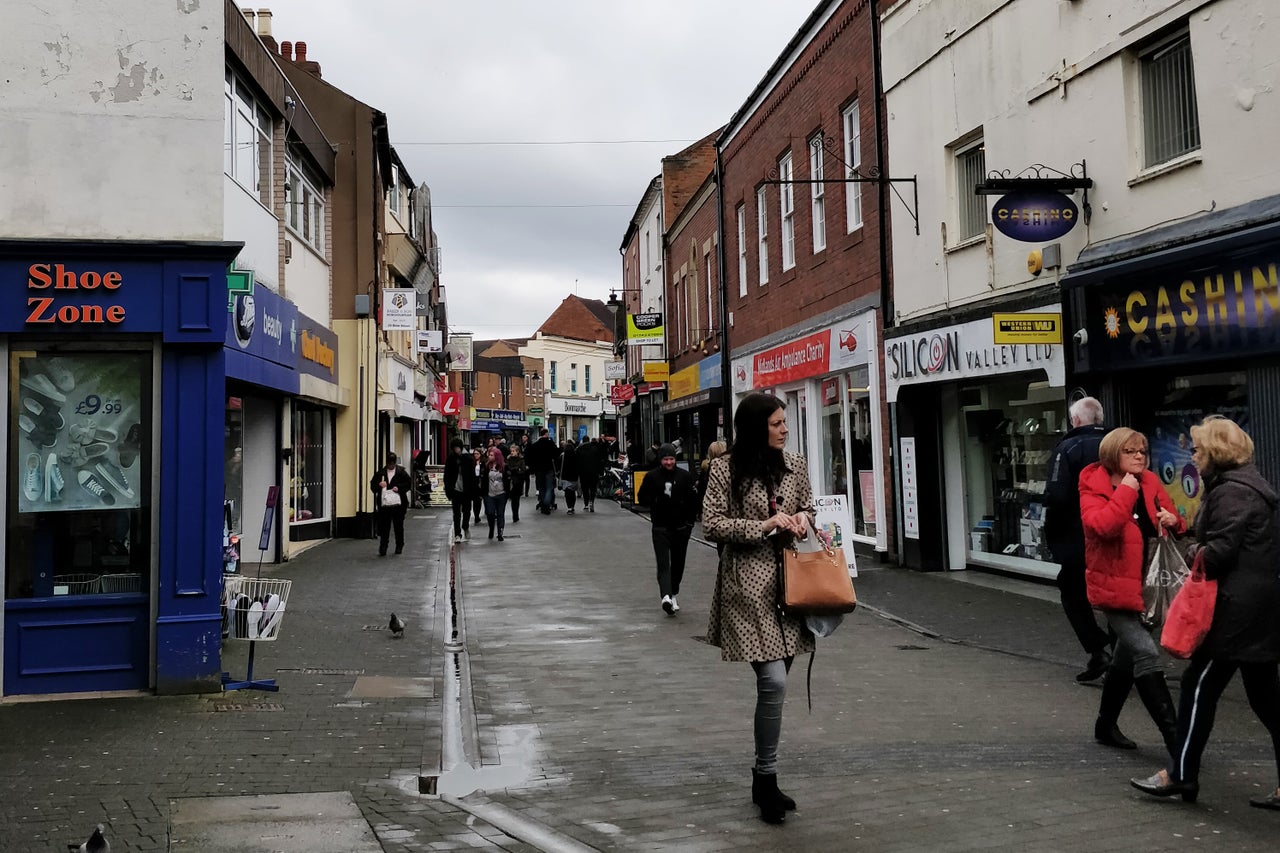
1122, 505
758, 499
1238, 538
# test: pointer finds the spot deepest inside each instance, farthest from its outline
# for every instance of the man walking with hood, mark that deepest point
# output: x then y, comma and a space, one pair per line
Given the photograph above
672, 498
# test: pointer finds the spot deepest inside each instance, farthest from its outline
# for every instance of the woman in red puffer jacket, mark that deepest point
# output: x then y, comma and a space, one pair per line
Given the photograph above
1122, 505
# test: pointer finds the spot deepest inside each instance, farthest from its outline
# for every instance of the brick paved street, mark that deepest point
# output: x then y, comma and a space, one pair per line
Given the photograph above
613, 725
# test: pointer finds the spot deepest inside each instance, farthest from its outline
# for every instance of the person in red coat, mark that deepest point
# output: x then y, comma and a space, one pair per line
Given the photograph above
1122, 506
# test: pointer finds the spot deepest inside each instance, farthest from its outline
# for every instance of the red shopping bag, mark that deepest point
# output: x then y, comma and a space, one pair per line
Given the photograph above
1190, 613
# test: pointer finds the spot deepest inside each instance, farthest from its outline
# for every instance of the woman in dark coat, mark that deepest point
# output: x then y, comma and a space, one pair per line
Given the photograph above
518, 472
1239, 538
758, 499
1123, 505
568, 474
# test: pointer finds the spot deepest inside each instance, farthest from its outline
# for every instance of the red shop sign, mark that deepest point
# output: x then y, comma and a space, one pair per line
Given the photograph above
798, 359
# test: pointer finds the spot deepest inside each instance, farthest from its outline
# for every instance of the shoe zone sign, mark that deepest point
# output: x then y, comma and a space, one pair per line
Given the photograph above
46, 296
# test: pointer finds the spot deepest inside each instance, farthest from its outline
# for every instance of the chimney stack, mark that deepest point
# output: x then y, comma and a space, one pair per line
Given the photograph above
248, 15
264, 22
286, 50
301, 48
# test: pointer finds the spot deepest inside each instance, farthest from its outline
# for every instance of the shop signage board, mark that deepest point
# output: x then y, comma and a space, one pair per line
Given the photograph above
399, 309
428, 340
264, 324
966, 351
644, 329
458, 352
1026, 328
840, 346
832, 516
709, 371
1215, 307
317, 349
1034, 217
656, 371
451, 403
684, 382
621, 394
615, 370
910, 499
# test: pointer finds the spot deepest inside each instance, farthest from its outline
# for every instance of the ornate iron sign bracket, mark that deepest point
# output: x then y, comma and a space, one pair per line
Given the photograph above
1040, 178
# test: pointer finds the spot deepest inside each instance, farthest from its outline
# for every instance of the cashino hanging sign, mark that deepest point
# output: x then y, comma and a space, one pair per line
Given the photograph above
1206, 309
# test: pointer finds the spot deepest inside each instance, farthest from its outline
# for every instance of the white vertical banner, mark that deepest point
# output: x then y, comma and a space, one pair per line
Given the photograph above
832, 516
910, 506
399, 309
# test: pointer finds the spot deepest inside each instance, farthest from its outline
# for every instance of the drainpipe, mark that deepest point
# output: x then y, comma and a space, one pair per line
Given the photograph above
726, 372
882, 187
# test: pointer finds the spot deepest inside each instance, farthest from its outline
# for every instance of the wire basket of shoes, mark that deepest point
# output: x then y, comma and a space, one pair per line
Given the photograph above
253, 608
83, 583
122, 582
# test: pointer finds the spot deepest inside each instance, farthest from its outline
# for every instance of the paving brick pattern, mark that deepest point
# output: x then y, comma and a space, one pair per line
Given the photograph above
627, 731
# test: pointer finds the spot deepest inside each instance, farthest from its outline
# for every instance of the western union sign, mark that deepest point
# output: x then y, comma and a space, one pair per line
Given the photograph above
1027, 328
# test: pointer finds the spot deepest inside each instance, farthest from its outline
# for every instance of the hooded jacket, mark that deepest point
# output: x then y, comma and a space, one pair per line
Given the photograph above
1113, 544
1239, 532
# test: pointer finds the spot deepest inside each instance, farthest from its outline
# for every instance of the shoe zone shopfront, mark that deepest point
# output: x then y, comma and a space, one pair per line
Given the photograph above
114, 425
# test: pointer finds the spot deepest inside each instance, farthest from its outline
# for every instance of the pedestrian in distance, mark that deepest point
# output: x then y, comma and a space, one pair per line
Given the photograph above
669, 492
591, 460
1064, 533
459, 483
1239, 537
567, 474
477, 499
758, 500
393, 479
542, 459
495, 484
518, 474
715, 450
524, 452
635, 454
1123, 505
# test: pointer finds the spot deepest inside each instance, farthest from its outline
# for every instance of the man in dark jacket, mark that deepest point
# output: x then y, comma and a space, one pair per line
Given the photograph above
395, 480
542, 459
591, 458
460, 485
1065, 535
669, 493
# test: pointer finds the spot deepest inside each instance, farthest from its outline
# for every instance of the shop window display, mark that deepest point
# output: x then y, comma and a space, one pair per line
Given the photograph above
1011, 429
233, 488
846, 445
308, 487
78, 517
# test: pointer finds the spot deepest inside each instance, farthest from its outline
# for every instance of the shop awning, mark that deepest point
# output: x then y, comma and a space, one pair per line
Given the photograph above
711, 396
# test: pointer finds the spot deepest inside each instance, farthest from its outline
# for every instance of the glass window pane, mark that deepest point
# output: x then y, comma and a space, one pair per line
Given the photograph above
309, 488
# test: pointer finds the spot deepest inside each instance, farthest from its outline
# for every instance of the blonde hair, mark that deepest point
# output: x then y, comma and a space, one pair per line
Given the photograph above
1112, 446
1221, 443
716, 449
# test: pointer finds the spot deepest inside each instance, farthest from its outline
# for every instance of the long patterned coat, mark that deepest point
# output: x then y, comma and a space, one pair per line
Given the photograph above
745, 621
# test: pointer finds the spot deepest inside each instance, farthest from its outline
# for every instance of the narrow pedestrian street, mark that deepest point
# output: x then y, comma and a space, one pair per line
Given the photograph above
563, 710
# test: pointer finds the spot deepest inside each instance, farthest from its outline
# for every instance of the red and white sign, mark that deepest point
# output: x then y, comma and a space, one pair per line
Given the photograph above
798, 359
621, 394
451, 403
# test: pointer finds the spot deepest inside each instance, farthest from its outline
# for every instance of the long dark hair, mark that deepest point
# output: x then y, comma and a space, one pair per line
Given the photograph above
751, 457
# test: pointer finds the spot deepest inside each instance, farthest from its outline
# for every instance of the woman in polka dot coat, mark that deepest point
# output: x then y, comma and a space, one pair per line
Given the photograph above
758, 499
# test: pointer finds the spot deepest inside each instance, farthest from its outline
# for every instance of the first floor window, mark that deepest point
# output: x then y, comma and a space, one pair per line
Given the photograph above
971, 167
787, 211
1170, 117
762, 233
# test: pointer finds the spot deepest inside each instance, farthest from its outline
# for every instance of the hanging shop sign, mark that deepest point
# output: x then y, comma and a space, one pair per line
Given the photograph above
656, 371
644, 329
1034, 217
684, 382
965, 351
399, 309
1210, 308
621, 394
615, 370
317, 349
458, 353
450, 402
1026, 328
428, 340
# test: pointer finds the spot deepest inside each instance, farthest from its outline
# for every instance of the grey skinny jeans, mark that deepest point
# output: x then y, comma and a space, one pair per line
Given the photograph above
1135, 646
771, 691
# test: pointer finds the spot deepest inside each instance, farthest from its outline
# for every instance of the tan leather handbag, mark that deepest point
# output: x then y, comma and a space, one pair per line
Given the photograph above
815, 578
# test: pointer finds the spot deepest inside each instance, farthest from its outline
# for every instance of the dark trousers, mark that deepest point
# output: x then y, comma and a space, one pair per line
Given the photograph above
515, 504
588, 485
389, 517
476, 503
526, 485
670, 545
547, 491
461, 514
1202, 684
1075, 603
495, 509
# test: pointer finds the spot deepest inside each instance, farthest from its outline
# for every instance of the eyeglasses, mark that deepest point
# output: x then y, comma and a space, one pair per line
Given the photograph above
1140, 451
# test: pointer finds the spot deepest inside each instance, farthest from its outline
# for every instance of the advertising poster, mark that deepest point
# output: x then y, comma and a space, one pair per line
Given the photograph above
1170, 441
833, 518
399, 309
79, 426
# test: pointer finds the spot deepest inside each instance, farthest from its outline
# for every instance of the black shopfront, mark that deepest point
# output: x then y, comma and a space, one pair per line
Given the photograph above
1179, 323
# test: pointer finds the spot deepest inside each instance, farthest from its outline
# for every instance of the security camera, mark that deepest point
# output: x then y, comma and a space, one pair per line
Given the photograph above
1081, 337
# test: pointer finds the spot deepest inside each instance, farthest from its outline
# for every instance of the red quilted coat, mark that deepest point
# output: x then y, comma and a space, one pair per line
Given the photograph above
1113, 545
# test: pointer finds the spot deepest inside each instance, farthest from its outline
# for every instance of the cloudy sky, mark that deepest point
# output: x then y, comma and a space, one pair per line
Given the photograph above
492, 105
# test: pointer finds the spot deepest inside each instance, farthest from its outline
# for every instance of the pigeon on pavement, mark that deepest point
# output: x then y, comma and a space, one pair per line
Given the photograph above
96, 843
397, 626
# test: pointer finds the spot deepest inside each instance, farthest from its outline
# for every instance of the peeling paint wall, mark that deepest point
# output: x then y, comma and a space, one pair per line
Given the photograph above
112, 120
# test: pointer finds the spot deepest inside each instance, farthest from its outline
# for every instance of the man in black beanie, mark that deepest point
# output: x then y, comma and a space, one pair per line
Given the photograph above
672, 498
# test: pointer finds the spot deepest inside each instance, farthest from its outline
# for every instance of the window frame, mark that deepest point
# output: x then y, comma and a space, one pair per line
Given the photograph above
1150, 60
851, 118
818, 193
787, 210
245, 115
742, 249
968, 203
305, 205
762, 236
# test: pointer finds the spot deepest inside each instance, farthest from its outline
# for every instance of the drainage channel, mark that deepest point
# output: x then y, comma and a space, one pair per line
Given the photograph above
461, 771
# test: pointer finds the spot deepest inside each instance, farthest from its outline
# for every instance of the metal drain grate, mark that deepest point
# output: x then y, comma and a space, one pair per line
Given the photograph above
309, 671
908, 647
251, 706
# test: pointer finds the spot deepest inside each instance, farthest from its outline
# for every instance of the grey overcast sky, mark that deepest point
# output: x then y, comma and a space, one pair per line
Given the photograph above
484, 98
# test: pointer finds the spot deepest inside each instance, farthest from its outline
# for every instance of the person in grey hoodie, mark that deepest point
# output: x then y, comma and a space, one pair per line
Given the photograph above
672, 498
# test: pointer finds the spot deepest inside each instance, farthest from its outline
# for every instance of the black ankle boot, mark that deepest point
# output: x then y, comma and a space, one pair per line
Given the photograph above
1154, 692
756, 786
765, 794
1115, 690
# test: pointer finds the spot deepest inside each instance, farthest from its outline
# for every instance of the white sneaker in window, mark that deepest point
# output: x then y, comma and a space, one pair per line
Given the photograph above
53, 481
674, 605
667, 604
32, 480
114, 476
